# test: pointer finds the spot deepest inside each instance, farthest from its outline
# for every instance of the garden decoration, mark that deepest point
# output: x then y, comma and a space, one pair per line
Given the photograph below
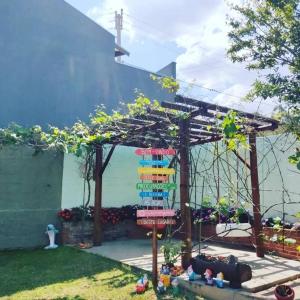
160, 287
155, 216
233, 271
219, 280
51, 231
209, 277
284, 292
142, 284
190, 273
165, 270
175, 287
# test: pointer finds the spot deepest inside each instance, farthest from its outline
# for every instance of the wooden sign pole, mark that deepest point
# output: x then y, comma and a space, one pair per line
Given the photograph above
154, 256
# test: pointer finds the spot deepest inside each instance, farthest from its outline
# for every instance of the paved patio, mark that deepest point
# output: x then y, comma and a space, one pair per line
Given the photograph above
267, 272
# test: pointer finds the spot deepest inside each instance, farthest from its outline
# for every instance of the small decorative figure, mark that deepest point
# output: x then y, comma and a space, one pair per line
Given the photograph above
176, 271
160, 287
191, 274
142, 284
209, 277
175, 287
220, 280
165, 270
51, 231
166, 280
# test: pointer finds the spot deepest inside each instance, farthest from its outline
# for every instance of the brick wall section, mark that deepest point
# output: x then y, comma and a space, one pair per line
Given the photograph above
74, 233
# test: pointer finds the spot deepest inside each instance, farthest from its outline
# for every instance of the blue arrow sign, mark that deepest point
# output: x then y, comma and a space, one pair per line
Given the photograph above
154, 194
154, 162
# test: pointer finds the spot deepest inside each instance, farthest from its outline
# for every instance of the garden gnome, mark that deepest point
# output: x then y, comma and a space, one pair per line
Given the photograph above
175, 287
191, 274
142, 284
220, 280
160, 287
51, 231
165, 270
209, 277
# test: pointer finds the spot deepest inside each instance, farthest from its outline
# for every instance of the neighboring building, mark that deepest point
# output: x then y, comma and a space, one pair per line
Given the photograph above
57, 65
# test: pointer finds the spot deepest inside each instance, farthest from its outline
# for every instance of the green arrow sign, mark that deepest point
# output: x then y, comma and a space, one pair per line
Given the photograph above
156, 186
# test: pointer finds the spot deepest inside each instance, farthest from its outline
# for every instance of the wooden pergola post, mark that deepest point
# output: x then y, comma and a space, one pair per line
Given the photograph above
258, 230
98, 197
184, 134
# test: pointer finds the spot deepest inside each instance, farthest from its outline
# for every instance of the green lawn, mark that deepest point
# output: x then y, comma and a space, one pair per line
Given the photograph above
67, 274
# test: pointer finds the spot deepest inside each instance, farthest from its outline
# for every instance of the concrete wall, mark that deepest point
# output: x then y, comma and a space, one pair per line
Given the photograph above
121, 177
57, 65
30, 195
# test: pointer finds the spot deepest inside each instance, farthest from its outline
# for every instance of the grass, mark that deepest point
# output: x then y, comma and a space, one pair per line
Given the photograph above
68, 274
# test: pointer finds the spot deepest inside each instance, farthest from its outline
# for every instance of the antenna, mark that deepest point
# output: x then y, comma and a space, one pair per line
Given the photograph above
119, 27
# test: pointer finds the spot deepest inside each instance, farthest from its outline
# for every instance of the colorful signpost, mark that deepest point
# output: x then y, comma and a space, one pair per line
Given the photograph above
157, 172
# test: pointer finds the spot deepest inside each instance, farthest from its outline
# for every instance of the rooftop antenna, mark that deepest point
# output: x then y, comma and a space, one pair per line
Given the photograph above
119, 27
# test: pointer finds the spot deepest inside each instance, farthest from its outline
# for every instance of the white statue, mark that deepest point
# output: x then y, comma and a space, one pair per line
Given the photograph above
51, 231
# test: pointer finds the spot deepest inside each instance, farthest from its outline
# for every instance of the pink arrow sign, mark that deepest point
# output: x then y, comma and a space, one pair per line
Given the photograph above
154, 151
155, 213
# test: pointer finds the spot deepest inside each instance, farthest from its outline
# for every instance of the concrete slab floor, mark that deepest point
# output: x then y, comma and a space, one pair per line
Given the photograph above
267, 272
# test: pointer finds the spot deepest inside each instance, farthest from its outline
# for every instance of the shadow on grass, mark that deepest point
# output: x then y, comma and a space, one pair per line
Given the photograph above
70, 298
29, 269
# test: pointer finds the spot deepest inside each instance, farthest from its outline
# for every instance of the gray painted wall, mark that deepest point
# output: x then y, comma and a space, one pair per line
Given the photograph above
30, 195
57, 65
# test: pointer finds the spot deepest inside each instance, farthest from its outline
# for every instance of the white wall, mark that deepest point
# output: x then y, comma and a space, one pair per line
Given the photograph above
120, 177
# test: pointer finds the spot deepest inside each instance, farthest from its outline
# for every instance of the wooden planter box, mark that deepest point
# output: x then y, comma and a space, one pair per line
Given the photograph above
234, 273
281, 249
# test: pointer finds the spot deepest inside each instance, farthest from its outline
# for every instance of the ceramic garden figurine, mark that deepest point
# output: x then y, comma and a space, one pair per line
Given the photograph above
175, 287
209, 277
191, 274
142, 284
51, 231
160, 287
165, 270
166, 279
220, 280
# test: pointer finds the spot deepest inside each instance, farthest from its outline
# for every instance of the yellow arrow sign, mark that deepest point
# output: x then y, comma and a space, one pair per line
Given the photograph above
166, 171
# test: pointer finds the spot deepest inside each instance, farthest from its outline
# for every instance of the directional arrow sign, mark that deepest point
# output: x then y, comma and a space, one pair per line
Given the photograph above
154, 194
163, 178
150, 202
154, 162
167, 171
146, 221
156, 186
155, 151
145, 213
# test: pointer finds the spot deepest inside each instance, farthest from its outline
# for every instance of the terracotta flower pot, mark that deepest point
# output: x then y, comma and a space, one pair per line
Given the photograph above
290, 294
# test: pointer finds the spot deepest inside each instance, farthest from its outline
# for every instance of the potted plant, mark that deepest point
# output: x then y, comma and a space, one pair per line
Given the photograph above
171, 251
284, 292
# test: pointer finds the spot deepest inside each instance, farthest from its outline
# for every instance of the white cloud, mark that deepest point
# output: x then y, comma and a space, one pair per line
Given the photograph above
196, 26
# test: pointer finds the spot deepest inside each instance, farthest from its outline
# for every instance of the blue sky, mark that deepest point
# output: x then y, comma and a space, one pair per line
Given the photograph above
193, 33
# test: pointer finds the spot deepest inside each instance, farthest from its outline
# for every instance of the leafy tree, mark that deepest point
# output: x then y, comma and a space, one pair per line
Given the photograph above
265, 34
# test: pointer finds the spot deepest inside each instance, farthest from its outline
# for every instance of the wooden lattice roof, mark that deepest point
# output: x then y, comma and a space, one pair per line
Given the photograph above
204, 120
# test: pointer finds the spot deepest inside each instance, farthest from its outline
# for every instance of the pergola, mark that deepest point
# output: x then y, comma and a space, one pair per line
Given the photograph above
197, 122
